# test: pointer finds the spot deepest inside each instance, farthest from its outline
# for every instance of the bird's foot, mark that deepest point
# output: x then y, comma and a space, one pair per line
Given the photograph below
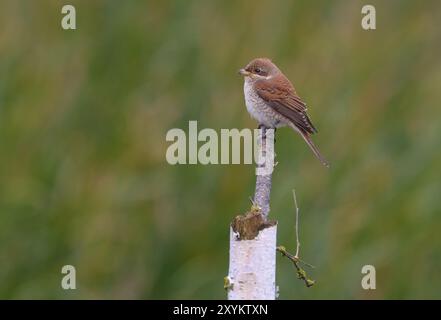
263, 128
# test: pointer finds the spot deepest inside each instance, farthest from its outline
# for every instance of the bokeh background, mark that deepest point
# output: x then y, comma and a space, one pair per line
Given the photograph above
83, 119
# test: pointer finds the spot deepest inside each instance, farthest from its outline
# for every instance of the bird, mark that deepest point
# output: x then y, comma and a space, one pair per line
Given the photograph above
272, 101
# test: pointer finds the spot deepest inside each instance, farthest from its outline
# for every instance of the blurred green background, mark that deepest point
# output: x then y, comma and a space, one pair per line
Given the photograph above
83, 119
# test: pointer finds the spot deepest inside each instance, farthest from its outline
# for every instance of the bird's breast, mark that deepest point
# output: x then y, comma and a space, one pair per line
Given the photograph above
258, 108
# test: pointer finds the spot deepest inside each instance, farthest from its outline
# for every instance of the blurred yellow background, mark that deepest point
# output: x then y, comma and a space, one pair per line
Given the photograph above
83, 119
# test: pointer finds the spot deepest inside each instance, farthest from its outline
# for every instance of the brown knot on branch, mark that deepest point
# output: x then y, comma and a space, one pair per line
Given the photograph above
248, 226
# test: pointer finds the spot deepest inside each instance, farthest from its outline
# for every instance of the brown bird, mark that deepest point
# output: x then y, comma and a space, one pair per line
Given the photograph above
272, 100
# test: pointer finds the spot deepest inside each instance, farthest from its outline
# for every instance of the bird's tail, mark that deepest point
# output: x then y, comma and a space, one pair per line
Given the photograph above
314, 149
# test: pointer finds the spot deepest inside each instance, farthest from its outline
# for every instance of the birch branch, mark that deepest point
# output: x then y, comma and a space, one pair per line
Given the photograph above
252, 271
264, 169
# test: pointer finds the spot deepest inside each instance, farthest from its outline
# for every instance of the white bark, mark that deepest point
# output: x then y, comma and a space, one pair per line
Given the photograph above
252, 273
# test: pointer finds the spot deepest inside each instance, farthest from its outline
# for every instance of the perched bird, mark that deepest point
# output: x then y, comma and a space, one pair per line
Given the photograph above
271, 99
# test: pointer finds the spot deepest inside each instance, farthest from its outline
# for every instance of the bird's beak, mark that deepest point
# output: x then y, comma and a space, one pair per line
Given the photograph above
244, 73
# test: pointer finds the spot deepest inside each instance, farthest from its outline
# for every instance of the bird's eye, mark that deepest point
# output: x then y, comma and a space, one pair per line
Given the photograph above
257, 70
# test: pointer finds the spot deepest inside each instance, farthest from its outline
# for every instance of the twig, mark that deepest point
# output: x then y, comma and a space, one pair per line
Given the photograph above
301, 274
295, 258
297, 224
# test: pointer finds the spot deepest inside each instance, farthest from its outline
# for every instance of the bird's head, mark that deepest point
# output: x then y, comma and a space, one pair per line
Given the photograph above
260, 68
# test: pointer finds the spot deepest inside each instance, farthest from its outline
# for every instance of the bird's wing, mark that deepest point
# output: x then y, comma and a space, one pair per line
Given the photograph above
281, 96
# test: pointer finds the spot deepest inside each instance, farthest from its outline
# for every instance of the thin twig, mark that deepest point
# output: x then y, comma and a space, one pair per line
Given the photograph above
295, 258
297, 224
301, 274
